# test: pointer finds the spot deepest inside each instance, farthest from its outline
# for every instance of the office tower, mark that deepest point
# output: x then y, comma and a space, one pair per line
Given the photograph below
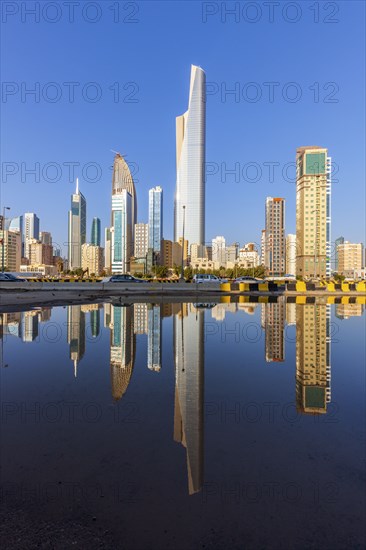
337, 242
31, 230
124, 212
155, 219
231, 254
188, 338
274, 326
95, 232
30, 326
17, 225
92, 259
313, 212
77, 228
275, 236
2, 222
189, 204
141, 240
76, 334
291, 254
122, 349
10, 250
154, 337
45, 237
313, 358
263, 247
218, 251
350, 257
107, 249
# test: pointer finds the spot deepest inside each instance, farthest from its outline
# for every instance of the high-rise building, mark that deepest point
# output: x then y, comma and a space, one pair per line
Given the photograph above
10, 250
291, 254
313, 212
95, 232
124, 212
189, 205
263, 247
155, 218
218, 250
313, 372
171, 254
40, 253
45, 237
337, 242
275, 261
349, 258
107, 249
77, 228
92, 258
141, 240
17, 225
31, 230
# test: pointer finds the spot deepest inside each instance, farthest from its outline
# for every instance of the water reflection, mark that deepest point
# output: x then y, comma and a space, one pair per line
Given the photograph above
312, 387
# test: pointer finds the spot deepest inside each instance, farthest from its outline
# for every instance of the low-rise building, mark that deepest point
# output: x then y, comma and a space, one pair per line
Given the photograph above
92, 258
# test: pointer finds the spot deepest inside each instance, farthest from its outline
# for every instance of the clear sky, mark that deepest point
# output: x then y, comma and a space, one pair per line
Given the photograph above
310, 51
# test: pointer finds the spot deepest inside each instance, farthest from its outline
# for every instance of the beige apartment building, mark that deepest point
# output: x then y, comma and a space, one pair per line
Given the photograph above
313, 193
10, 250
92, 258
349, 258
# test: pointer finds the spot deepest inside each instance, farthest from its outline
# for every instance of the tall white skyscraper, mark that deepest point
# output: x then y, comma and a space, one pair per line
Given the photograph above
77, 228
218, 250
155, 218
190, 150
124, 212
31, 230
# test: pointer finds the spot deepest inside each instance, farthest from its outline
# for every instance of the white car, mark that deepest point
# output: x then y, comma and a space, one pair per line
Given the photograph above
207, 278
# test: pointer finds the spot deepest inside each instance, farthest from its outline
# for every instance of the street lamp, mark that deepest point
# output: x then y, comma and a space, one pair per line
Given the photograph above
3, 238
184, 219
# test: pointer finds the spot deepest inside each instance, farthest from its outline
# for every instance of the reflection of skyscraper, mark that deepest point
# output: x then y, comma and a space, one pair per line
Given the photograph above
274, 324
154, 337
76, 334
188, 334
95, 322
191, 145
122, 357
30, 323
312, 358
140, 318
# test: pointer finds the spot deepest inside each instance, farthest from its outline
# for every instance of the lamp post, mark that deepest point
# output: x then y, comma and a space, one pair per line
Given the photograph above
183, 243
3, 238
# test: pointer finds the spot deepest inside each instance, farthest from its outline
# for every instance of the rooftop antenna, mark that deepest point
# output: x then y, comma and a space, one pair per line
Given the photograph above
77, 186
117, 153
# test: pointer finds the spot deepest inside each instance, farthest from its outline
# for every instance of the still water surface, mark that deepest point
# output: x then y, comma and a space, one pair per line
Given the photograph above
237, 425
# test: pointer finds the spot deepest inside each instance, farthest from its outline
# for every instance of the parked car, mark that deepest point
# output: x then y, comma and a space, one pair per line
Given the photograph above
246, 279
9, 277
123, 278
207, 278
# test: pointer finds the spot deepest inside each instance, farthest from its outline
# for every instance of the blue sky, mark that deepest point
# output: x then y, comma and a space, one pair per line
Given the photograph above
147, 55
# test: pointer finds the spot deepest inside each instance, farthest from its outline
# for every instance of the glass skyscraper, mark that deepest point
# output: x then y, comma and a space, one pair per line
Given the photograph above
95, 232
190, 150
77, 228
155, 231
124, 212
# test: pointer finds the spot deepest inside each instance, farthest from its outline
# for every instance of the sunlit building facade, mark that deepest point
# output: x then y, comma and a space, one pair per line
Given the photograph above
77, 228
313, 212
190, 160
